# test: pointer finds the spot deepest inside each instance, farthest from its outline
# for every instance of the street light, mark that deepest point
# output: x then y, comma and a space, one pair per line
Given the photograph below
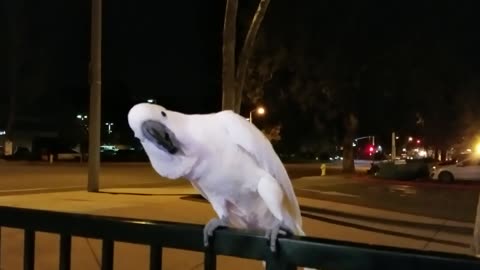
109, 127
366, 137
259, 110
82, 117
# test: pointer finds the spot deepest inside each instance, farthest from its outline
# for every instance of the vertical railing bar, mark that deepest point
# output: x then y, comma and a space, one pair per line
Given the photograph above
155, 257
210, 258
275, 261
107, 254
65, 251
29, 249
271, 264
1, 248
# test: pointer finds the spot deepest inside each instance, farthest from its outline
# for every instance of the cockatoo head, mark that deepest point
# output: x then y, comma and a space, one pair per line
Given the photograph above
163, 136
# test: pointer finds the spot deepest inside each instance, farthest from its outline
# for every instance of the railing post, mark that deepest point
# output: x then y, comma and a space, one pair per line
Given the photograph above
476, 232
65, 251
210, 258
155, 257
1, 248
29, 250
107, 254
277, 262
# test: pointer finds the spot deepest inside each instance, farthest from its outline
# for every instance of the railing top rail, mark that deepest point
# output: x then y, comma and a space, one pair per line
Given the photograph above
302, 251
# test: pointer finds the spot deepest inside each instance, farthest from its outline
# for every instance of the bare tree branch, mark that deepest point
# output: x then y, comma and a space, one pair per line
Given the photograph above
233, 73
229, 65
247, 51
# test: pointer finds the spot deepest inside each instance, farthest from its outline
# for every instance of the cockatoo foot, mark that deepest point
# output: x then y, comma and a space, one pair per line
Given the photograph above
211, 226
272, 234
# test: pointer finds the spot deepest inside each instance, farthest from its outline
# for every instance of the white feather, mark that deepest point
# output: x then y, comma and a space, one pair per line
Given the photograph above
225, 157
247, 136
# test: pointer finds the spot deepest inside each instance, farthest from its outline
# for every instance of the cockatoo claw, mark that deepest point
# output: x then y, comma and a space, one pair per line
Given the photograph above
211, 226
272, 235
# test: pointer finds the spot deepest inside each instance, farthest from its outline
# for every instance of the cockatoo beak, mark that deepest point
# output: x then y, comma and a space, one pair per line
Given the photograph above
161, 136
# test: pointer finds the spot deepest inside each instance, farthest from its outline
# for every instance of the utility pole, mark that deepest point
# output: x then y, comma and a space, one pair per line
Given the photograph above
95, 96
476, 232
394, 148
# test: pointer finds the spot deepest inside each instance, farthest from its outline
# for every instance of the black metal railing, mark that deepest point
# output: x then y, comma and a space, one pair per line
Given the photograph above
292, 251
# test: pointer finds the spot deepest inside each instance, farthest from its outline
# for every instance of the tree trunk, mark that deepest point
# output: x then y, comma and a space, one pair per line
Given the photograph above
351, 124
443, 152
247, 51
12, 108
228, 65
14, 11
476, 232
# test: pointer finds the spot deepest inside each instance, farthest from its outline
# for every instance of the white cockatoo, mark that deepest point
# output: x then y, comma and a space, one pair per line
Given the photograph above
228, 160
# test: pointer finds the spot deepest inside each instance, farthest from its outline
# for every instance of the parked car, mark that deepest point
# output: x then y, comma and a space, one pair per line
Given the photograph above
415, 169
468, 169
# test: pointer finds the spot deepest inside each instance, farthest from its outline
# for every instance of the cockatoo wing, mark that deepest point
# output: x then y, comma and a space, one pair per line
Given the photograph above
253, 142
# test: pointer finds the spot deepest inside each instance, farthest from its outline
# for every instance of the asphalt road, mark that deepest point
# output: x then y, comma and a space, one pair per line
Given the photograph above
455, 202
17, 178
26, 177
449, 201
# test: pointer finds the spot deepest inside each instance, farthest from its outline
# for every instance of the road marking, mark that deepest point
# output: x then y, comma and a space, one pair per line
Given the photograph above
339, 194
133, 185
334, 193
39, 189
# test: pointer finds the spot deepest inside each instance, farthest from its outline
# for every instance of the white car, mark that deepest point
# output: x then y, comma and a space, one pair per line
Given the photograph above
468, 169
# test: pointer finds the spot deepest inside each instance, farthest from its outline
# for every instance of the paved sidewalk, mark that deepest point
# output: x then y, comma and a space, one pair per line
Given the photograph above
182, 204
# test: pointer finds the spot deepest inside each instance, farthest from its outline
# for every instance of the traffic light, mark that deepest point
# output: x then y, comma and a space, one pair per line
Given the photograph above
370, 150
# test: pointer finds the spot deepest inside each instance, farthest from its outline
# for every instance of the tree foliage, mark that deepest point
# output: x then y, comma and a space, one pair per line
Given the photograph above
273, 133
345, 74
309, 72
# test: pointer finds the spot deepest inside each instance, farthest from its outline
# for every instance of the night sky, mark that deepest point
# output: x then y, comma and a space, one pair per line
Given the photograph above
171, 50
168, 50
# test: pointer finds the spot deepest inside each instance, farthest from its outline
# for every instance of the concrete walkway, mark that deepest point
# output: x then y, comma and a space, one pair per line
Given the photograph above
181, 204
